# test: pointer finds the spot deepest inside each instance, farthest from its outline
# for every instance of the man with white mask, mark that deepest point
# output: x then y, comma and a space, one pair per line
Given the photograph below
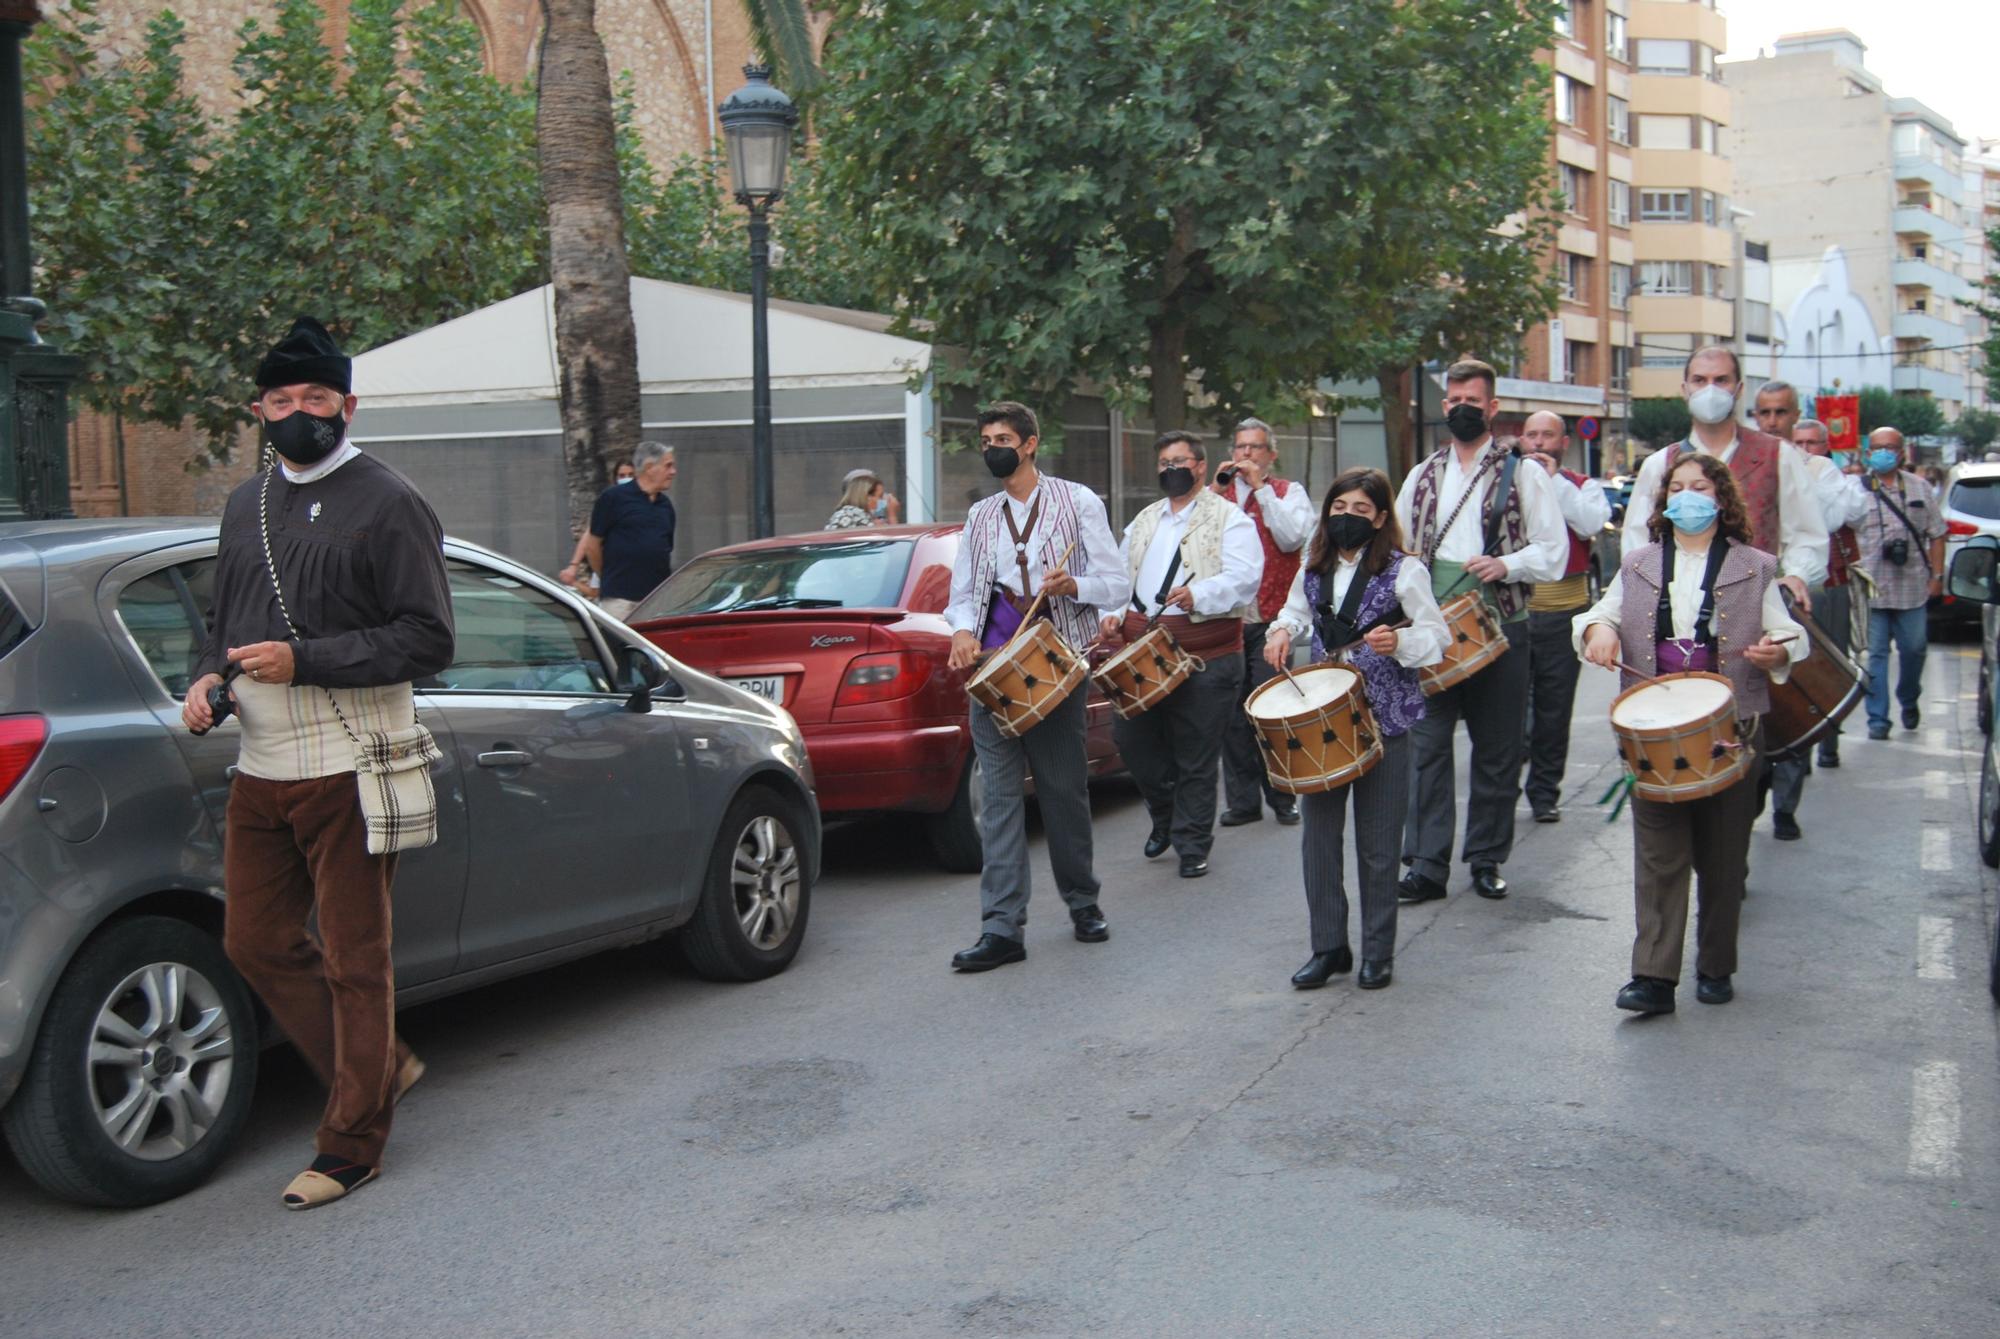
1777, 486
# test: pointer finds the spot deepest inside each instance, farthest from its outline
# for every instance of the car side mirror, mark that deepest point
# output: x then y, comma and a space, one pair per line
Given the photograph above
1974, 569
642, 675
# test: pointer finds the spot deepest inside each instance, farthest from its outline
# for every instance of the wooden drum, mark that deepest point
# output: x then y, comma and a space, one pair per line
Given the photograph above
1142, 674
1025, 680
1315, 728
1817, 696
1679, 737
1476, 642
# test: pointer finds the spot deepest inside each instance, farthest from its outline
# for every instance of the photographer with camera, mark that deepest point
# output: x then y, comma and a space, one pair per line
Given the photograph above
1902, 549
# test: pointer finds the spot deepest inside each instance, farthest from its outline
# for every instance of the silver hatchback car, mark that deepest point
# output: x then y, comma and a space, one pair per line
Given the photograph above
594, 792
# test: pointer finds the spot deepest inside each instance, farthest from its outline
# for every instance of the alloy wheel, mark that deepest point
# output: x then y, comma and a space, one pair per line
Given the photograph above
162, 1053
766, 879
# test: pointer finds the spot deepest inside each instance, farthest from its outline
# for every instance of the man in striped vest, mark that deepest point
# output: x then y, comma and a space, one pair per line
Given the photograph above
1282, 511
1552, 661
1013, 548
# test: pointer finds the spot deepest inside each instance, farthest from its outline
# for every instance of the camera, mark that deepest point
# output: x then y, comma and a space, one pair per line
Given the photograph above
220, 704
1896, 552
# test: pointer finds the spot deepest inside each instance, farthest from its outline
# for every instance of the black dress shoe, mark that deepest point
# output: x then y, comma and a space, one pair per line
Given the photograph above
1193, 866
1647, 995
1785, 827
1713, 989
1415, 887
1486, 881
1090, 924
1288, 814
1910, 718
1157, 843
1236, 818
1375, 973
1829, 761
1320, 966
1550, 814
991, 951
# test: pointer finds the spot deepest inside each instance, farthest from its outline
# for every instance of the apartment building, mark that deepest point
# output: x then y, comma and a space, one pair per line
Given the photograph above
1856, 190
1683, 229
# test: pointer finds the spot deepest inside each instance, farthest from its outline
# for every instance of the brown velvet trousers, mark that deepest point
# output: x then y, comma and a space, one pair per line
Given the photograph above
295, 851
1710, 840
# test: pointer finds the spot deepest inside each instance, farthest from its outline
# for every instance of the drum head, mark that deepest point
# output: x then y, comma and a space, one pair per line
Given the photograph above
1665, 704
1318, 686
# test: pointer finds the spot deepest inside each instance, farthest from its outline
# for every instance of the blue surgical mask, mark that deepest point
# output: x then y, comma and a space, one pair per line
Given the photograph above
1691, 512
1882, 460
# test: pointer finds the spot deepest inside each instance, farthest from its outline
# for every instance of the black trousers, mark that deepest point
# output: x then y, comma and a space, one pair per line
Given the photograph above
1492, 705
1552, 672
1172, 749
1246, 785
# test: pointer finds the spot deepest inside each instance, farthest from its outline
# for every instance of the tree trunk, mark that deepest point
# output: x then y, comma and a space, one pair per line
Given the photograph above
1399, 429
1168, 365
597, 350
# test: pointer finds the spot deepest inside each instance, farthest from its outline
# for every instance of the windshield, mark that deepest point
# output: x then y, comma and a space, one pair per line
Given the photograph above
844, 575
1977, 497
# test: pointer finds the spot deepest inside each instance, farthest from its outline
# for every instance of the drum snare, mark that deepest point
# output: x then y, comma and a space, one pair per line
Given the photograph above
1476, 641
1680, 738
1815, 697
1024, 681
1315, 729
1142, 674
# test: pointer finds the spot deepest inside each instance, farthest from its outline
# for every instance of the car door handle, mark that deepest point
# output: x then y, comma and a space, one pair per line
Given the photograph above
506, 758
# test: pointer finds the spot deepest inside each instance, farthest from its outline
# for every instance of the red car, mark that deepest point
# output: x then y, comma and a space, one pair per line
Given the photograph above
846, 630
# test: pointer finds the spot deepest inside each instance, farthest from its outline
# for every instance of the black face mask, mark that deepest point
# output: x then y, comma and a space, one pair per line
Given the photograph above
1177, 481
1001, 461
1467, 422
303, 438
1348, 531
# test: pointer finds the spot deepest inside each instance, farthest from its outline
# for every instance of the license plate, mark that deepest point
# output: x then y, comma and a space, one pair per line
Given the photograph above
771, 687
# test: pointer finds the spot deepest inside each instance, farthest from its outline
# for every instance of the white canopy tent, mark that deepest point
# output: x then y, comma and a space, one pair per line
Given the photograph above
468, 409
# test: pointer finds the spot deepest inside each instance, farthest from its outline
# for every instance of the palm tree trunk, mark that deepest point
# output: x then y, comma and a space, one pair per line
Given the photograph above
597, 350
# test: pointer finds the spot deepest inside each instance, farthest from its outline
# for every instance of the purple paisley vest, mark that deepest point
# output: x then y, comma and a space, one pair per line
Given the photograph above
1395, 694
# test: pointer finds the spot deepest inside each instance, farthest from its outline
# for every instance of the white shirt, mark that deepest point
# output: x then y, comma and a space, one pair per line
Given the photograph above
1420, 644
1102, 588
1289, 518
1802, 534
1215, 593
1684, 597
343, 453
1585, 509
1547, 551
1842, 499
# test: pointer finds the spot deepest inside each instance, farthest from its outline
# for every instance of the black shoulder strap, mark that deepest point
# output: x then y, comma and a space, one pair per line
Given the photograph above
1496, 515
1663, 612
1923, 545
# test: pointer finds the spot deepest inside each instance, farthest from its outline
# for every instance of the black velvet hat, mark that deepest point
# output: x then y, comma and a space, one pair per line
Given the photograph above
305, 354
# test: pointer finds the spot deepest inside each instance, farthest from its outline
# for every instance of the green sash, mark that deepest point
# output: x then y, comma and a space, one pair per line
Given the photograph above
1447, 575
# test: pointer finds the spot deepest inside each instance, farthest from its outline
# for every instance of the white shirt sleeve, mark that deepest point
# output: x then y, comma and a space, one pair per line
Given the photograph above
1108, 585
1639, 507
1588, 508
963, 609
1802, 534
1423, 642
1778, 622
1857, 500
1547, 553
1296, 616
1289, 518
1609, 609
1242, 569
1828, 491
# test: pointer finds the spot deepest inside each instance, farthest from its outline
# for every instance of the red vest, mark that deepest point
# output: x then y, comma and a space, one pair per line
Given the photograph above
1579, 547
1755, 465
1844, 552
1279, 568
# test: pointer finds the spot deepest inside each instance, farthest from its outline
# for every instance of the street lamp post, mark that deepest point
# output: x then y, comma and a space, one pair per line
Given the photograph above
757, 120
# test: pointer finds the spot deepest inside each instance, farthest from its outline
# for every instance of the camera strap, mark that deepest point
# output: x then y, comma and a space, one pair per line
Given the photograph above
1923, 548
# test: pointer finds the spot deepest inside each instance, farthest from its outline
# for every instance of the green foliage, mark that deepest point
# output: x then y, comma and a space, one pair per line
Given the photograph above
1989, 307
783, 33
1911, 415
1659, 420
1253, 195
1977, 428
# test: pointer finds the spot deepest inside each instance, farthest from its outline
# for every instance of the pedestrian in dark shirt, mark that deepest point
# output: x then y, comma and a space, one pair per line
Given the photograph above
330, 599
630, 543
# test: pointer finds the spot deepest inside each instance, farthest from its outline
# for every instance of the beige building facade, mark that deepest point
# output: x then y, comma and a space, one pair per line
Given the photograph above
1982, 204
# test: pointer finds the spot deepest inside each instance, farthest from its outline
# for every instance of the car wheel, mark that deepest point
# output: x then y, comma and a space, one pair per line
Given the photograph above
1983, 710
1989, 808
757, 893
141, 1075
954, 834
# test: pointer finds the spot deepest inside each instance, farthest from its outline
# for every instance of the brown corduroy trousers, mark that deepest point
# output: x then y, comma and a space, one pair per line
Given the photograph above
293, 850
1709, 839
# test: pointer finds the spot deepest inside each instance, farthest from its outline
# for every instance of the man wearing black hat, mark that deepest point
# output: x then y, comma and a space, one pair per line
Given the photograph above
330, 600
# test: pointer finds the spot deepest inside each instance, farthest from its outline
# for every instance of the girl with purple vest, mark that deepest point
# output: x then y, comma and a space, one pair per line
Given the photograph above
1698, 597
1369, 605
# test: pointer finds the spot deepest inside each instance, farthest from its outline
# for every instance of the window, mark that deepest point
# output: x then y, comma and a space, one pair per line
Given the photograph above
1620, 206
164, 613
1665, 132
1976, 497
1618, 120
831, 575
1757, 322
1665, 350
1666, 206
1666, 278
1621, 369
1569, 17
1660, 55
1574, 272
1621, 286
1575, 189
513, 638
1576, 362
1572, 101
1715, 281
1756, 251
1614, 37
1709, 134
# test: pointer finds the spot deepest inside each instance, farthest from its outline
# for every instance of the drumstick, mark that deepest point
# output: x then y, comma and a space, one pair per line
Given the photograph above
1035, 607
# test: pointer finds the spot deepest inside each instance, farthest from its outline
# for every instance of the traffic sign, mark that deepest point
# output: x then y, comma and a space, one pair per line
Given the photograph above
1586, 428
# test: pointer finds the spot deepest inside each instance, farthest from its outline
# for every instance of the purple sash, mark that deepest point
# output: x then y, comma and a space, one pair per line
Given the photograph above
1677, 657
1003, 620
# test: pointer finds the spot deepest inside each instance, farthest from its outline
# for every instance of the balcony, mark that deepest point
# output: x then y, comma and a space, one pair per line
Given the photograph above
1942, 179
1907, 272
1938, 385
1519, 388
1915, 219
1926, 325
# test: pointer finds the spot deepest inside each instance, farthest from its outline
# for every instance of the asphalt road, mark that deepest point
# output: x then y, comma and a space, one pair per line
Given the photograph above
1157, 1136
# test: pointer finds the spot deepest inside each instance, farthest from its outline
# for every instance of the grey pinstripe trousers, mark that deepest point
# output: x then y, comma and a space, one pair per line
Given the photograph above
1380, 801
1054, 749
